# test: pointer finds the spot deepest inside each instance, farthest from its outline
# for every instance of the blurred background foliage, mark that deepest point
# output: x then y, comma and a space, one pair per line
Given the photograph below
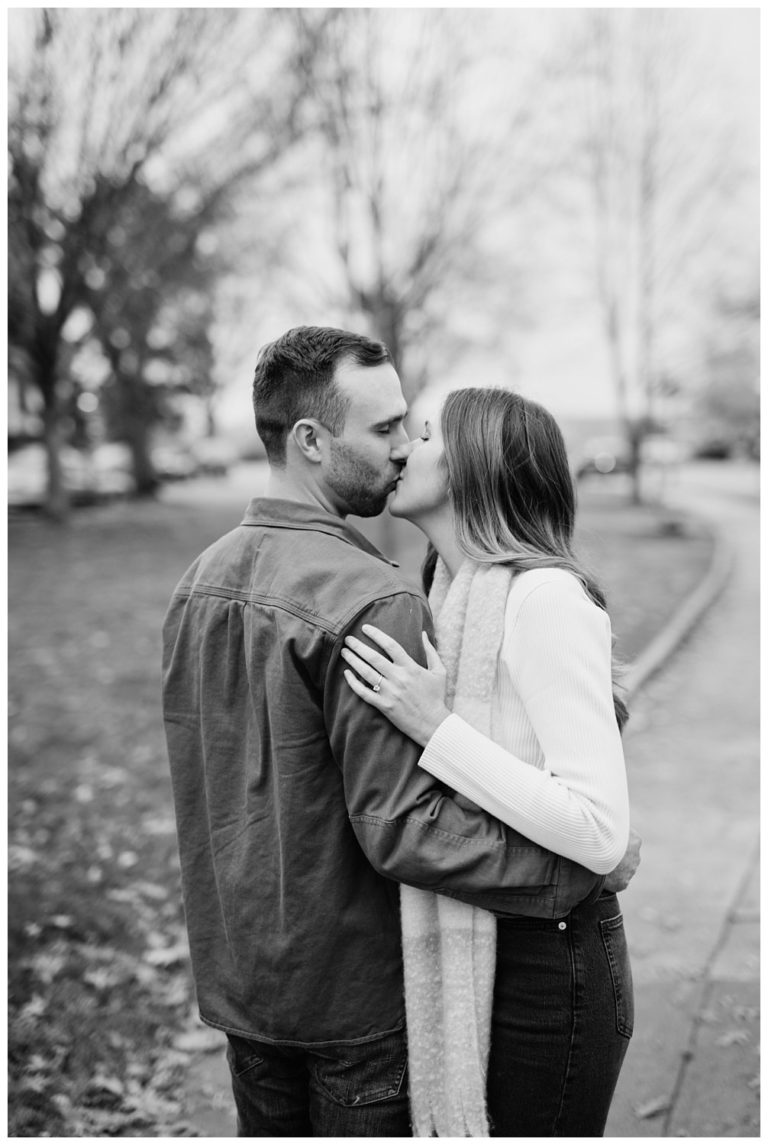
466, 185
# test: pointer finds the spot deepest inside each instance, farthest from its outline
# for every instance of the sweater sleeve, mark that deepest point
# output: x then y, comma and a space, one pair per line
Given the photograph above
557, 654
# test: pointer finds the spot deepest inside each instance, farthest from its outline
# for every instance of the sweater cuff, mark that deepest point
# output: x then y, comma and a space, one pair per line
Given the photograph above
454, 740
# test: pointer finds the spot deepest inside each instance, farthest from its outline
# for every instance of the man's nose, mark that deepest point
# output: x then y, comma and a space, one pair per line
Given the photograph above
403, 451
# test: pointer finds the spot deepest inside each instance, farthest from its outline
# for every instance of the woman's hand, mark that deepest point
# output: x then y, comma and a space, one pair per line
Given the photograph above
411, 697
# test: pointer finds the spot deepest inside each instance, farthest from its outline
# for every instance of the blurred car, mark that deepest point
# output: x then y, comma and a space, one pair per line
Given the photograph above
603, 455
88, 477
27, 477
663, 450
713, 449
215, 456
112, 465
174, 463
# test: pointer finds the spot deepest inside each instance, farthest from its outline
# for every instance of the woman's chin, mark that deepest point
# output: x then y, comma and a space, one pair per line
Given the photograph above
397, 505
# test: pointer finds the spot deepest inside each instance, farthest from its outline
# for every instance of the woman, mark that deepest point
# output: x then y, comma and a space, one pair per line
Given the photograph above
519, 715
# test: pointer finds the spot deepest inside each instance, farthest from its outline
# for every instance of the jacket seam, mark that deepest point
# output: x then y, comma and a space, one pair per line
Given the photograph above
502, 844
371, 599
326, 530
249, 1034
332, 627
203, 589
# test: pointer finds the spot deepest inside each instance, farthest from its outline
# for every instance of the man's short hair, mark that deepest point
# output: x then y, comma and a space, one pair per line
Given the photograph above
294, 378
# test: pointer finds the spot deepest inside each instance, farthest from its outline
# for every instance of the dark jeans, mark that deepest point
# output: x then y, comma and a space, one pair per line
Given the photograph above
338, 1091
562, 1019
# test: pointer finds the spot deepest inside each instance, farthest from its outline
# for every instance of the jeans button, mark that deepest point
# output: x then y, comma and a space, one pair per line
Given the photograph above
561, 926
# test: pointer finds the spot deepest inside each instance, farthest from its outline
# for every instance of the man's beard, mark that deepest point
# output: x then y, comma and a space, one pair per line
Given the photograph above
360, 485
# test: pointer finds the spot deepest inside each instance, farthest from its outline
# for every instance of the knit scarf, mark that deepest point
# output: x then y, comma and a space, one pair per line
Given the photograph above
449, 947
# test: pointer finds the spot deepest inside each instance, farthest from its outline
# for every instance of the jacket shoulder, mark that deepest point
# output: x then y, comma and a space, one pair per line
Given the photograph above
354, 579
316, 575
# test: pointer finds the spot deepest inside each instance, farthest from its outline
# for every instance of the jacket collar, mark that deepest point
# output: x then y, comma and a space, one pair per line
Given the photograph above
303, 517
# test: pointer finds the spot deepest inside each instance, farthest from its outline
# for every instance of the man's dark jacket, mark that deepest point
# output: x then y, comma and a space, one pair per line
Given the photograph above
299, 807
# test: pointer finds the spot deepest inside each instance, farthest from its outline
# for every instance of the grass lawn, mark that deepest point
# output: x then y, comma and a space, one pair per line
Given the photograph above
102, 1021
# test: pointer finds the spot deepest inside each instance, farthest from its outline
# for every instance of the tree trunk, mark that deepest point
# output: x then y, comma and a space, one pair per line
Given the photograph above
45, 358
137, 439
634, 436
57, 499
136, 421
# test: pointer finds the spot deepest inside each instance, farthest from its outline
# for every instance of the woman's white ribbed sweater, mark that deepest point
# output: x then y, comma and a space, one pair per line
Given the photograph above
557, 772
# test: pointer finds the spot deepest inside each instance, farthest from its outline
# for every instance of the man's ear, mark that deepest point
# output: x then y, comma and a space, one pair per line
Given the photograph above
309, 437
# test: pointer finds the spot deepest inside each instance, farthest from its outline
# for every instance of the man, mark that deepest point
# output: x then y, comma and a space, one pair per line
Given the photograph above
298, 807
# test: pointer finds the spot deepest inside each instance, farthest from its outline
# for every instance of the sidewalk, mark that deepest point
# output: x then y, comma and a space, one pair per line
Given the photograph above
692, 913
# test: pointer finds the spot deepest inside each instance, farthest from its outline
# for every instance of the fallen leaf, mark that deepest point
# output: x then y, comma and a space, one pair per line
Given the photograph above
150, 1106
733, 1038
20, 857
199, 1041
746, 1013
103, 1083
101, 978
708, 1016
652, 1107
35, 1008
37, 1083
49, 963
152, 891
167, 956
122, 894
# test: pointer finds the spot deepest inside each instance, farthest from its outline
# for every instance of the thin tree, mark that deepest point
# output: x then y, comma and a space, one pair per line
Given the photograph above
414, 173
659, 162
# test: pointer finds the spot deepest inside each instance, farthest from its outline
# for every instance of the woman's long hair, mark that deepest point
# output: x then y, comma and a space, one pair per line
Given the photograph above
511, 489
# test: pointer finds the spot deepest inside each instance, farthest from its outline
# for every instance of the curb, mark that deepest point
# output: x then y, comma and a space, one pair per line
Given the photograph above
684, 620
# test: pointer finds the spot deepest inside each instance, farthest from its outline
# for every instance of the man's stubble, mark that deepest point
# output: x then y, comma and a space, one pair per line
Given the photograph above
361, 487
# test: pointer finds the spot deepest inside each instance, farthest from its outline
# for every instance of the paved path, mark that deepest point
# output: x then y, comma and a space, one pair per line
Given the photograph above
692, 913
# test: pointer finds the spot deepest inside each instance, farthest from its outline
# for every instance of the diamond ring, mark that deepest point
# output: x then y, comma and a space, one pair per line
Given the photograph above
377, 686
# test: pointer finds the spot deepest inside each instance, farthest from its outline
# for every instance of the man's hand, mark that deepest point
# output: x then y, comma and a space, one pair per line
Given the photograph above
620, 876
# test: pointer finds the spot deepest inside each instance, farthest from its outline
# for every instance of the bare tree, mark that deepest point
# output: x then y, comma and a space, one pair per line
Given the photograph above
413, 176
189, 106
658, 157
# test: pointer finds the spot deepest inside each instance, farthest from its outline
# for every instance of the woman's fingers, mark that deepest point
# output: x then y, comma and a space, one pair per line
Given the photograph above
370, 655
362, 690
395, 651
433, 660
368, 673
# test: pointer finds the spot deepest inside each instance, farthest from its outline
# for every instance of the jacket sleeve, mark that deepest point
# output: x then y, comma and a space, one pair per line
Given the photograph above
410, 827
